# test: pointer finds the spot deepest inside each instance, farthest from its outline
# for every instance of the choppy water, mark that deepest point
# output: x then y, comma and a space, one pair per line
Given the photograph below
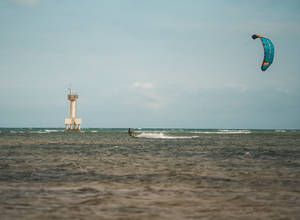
163, 174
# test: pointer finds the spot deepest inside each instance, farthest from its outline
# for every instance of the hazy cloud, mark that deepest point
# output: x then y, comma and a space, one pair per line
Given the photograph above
26, 2
143, 85
237, 86
148, 96
155, 101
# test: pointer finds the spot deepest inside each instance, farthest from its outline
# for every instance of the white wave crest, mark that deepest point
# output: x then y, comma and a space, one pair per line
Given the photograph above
49, 131
161, 135
39, 132
224, 132
280, 130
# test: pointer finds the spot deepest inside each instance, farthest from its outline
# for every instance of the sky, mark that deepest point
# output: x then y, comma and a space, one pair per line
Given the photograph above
149, 64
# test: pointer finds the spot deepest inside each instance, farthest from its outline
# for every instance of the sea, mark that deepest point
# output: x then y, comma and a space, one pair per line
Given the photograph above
48, 173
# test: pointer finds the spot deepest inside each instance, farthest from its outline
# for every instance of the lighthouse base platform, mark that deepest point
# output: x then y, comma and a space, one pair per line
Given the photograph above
72, 124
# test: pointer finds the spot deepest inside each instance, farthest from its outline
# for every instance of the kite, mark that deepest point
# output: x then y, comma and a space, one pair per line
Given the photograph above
268, 49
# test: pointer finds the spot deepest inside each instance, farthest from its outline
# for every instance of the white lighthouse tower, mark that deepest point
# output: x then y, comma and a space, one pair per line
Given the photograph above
72, 123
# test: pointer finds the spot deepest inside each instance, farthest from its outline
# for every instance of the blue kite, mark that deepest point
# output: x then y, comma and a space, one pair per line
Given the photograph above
269, 51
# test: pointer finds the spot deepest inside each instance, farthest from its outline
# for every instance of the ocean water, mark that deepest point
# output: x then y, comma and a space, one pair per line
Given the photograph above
163, 174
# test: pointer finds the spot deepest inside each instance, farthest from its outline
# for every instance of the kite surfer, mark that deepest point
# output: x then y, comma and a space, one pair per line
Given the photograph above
130, 133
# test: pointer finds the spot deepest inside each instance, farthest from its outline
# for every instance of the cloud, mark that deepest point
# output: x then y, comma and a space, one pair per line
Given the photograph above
236, 86
143, 85
28, 3
147, 96
154, 101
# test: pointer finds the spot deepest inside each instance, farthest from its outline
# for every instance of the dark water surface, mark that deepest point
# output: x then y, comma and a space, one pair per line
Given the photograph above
162, 174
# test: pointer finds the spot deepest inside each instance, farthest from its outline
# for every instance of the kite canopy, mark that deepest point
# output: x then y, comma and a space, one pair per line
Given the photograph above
268, 49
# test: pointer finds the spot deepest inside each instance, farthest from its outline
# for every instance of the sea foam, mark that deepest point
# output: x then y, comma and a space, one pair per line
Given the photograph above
161, 135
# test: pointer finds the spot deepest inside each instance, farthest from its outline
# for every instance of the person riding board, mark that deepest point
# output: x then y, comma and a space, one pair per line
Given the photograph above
130, 133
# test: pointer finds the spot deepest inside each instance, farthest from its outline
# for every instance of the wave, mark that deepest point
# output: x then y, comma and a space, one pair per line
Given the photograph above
280, 130
43, 131
46, 131
16, 132
224, 132
161, 135
39, 132
49, 131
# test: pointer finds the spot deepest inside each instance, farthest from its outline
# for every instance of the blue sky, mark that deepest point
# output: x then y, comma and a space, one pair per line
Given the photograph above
159, 63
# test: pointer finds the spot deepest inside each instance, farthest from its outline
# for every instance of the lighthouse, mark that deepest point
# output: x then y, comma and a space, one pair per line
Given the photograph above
72, 123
